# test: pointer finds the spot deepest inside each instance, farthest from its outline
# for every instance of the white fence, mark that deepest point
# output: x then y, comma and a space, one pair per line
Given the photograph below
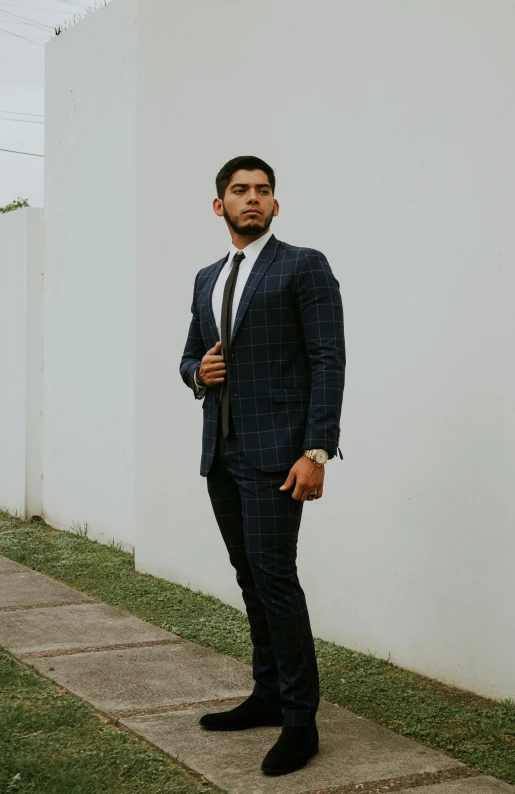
90, 106
21, 361
392, 140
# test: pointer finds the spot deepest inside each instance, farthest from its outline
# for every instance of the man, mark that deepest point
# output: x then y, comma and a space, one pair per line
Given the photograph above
266, 351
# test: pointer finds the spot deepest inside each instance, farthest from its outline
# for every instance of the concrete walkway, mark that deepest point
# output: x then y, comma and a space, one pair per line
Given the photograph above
157, 685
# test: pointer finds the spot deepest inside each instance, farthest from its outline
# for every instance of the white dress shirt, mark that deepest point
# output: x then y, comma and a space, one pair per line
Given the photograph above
251, 251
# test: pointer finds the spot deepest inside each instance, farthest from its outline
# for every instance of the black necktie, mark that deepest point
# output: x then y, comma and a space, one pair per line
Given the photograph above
226, 336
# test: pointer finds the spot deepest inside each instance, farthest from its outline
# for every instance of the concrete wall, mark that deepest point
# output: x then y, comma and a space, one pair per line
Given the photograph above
391, 132
21, 360
89, 276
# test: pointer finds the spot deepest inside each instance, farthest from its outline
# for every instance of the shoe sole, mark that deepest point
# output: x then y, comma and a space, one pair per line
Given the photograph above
272, 772
240, 727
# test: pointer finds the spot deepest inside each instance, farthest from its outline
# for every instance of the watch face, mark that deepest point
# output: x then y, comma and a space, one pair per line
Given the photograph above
320, 456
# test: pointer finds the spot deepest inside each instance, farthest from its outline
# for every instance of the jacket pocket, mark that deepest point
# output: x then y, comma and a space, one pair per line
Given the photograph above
290, 395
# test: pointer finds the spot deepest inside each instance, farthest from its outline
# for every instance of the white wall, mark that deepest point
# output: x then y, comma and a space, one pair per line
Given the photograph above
391, 132
89, 275
21, 350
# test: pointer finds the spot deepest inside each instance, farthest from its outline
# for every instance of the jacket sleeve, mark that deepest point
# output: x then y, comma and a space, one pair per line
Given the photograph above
194, 349
319, 306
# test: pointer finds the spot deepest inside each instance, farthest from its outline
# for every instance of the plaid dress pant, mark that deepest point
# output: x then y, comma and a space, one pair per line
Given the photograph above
260, 526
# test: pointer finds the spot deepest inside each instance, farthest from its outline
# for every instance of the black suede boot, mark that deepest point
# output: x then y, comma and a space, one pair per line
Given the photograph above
252, 713
293, 749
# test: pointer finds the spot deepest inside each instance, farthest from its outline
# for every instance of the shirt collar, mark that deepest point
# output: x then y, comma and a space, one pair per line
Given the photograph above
252, 250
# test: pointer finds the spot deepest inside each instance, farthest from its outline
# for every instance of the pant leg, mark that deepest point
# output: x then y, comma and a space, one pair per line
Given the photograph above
270, 521
226, 501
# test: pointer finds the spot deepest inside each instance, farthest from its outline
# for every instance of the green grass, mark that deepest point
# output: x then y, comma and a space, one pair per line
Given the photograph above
474, 730
53, 743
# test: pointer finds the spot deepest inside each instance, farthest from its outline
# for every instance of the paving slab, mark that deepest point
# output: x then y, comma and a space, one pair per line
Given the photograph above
139, 678
32, 589
352, 750
484, 784
73, 627
9, 566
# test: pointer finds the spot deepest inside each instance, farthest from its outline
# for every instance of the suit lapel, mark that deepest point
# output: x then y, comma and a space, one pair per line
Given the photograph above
211, 281
261, 265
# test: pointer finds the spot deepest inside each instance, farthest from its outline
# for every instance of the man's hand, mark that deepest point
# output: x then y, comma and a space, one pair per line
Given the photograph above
212, 367
309, 478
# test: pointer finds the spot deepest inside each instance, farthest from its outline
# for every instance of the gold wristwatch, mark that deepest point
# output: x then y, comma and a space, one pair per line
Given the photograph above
318, 456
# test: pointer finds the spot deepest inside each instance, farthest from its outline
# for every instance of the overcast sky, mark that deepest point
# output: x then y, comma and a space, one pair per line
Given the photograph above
22, 85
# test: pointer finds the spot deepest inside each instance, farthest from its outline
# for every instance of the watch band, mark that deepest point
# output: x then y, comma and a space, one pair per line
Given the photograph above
196, 377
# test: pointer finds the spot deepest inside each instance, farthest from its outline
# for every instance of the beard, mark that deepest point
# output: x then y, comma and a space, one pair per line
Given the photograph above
256, 226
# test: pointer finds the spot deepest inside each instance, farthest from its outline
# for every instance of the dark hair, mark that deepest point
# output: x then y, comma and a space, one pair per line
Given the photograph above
249, 163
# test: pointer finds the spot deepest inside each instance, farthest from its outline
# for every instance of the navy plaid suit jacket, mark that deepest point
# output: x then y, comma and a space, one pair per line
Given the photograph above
286, 358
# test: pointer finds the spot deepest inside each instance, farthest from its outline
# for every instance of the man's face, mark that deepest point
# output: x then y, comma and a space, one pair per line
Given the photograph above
248, 205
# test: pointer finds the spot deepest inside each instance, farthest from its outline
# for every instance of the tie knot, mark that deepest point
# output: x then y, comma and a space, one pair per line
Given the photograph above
238, 256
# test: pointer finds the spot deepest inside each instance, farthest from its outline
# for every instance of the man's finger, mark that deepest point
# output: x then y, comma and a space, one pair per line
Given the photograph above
300, 491
297, 492
305, 495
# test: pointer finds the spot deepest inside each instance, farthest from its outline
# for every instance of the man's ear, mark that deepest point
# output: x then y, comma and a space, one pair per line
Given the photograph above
218, 207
